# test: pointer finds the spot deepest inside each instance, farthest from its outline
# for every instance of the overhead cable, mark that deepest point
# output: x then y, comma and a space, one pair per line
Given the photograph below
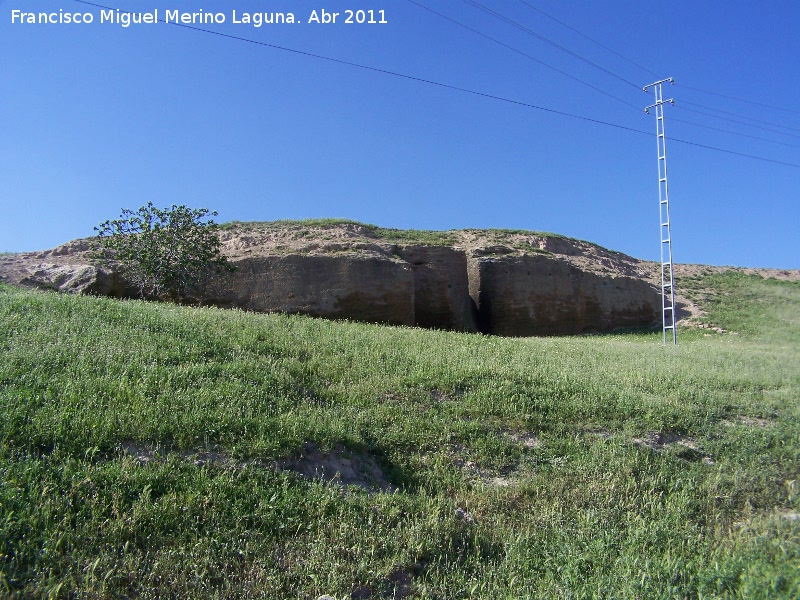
560, 22
637, 108
739, 116
376, 70
752, 137
583, 35
442, 85
707, 114
770, 160
526, 55
521, 27
742, 100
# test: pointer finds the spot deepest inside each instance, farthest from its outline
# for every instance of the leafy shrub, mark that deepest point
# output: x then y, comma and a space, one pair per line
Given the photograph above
168, 253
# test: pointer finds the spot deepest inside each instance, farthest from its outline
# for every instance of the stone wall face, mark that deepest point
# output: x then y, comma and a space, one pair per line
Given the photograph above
370, 289
538, 295
77, 279
441, 288
495, 290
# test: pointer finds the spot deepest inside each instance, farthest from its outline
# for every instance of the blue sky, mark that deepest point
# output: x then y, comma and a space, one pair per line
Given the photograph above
98, 117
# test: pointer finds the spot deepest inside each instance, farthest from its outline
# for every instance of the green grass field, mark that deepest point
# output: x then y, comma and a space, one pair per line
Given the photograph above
139, 445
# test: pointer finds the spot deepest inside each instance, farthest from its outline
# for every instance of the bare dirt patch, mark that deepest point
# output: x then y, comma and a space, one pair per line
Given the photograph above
206, 457
143, 454
338, 465
684, 447
756, 422
527, 439
396, 585
473, 471
598, 432
400, 583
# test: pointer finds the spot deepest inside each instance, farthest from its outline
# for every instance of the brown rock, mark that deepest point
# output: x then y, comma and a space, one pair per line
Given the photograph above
75, 279
538, 295
441, 288
508, 283
350, 286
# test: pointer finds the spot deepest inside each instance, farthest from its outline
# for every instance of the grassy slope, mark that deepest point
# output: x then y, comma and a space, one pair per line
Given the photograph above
589, 512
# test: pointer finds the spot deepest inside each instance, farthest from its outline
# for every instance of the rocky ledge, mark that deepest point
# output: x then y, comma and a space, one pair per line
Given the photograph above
511, 283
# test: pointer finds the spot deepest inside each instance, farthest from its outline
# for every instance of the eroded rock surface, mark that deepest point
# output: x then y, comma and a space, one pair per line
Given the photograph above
441, 288
75, 279
539, 295
369, 288
498, 282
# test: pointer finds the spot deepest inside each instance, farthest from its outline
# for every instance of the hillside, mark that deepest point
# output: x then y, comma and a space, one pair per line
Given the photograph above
502, 282
150, 450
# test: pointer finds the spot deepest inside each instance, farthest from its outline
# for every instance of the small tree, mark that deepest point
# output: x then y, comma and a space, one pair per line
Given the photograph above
166, 253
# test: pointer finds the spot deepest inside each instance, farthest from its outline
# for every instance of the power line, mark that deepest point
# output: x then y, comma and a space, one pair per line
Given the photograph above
637, 108
442, 85
742, 100
560, 22
614, 52
740, 116
378, 70
700, 112
521, 27
557, 70
770, 160
752, 137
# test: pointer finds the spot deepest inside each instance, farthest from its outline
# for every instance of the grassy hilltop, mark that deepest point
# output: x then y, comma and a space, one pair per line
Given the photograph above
151, 450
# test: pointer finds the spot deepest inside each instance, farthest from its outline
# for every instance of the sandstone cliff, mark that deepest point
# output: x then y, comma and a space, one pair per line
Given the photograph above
540, 295
512, 283
375, 289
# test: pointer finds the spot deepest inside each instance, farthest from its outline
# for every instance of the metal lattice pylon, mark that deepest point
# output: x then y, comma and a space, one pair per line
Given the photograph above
667, 272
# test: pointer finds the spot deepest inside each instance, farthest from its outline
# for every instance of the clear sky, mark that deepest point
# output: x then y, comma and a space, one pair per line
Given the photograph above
98, 117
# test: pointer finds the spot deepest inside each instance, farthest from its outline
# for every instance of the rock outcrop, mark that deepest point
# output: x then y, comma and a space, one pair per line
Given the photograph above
373, 289
538, 295
441, 288
76, 279
501, 283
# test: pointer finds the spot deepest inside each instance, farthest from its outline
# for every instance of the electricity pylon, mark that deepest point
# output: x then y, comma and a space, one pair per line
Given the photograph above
667, 272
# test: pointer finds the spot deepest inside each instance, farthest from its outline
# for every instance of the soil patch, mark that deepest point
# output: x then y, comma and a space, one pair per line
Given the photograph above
478, 473
340, 466
684, 447
527, 439
397, 585
750, 422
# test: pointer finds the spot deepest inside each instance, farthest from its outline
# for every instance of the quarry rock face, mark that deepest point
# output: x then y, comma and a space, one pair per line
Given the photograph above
495, 282
75, 279
441, 288
363, 288
538, 295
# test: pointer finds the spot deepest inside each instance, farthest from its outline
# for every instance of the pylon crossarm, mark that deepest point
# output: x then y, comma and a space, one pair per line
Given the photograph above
659, 103
667, 80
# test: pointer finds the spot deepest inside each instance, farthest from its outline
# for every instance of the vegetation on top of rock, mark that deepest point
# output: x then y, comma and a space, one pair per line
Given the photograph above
319, 229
